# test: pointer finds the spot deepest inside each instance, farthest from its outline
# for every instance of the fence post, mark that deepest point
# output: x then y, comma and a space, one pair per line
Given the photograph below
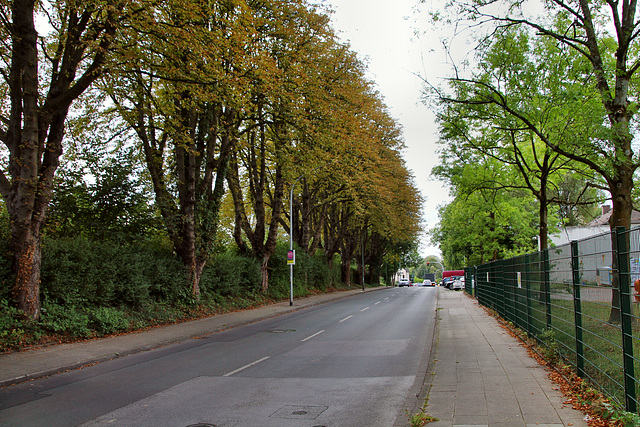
494, 286
500, 283
547, 286
577, 308
475, 281
527, 290
626, 318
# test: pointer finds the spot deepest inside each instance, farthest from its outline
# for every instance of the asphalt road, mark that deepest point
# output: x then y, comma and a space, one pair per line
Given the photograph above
359, 361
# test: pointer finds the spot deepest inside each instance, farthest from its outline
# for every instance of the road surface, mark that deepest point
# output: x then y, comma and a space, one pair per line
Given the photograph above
358, 361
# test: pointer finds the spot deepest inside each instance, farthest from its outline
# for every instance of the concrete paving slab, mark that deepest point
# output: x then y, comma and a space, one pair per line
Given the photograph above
497, 384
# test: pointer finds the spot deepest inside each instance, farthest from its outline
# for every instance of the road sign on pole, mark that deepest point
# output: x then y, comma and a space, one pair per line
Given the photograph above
291, 257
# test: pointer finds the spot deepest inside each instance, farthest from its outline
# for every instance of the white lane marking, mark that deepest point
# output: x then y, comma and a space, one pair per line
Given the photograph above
314, 335
246, 366
346, 318
386, 298
377, 303
365, 309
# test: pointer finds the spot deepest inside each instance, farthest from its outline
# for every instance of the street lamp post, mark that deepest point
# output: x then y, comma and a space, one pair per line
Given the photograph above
291, 239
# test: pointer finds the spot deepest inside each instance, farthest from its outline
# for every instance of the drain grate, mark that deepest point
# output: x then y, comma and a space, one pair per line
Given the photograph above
294, 412
202, 425
282, 331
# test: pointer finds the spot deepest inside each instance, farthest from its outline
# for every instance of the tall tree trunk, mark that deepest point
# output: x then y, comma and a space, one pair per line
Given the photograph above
27, 256
345, 272
264, 272
620, 217
33, 132
347, 249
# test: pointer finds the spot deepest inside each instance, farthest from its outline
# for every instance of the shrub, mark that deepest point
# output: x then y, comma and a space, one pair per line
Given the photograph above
231, 275
108, 320
65, 320
13, 333
77, 271
309, 272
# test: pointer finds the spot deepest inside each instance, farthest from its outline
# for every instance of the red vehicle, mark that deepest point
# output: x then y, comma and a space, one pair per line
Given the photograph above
450, 273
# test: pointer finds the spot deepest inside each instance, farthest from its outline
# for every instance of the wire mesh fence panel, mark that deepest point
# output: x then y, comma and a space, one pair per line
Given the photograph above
581, 301
629, 300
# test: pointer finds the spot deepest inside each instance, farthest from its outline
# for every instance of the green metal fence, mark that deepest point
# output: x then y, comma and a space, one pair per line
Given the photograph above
579, 300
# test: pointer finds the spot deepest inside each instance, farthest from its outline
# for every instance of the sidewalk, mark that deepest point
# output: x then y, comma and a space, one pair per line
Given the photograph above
22, 366
482, 376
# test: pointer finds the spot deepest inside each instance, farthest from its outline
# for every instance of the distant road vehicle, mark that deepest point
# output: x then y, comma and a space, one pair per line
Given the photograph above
428, 282
404, 282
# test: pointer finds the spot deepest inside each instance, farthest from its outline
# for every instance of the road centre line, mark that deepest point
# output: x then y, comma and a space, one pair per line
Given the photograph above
346, 318
377, 303
246, 366
312, 336
365, 309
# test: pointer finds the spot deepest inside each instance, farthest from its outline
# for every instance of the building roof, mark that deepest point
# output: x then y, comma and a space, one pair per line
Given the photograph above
606, 214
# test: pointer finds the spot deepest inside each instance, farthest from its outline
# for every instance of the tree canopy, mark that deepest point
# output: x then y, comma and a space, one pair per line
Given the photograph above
225, 104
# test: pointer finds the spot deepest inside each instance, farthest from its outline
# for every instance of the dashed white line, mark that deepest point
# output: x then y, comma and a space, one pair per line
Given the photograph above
246, 366
312, 336
365, 309
346, 318
377, 303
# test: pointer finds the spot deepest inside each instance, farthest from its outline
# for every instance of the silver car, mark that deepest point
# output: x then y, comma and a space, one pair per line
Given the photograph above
458, 283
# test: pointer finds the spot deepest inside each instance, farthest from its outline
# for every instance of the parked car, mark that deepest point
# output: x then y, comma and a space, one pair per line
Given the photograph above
404, 282
458, 283
446, 282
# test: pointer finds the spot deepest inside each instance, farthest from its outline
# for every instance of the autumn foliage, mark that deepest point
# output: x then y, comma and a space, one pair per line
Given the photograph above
225, 105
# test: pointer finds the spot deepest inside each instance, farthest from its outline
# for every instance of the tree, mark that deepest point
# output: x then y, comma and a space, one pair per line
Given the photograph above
111, 205
43, 76
484, 226
512, 110
607, 39
183, 92
294, 37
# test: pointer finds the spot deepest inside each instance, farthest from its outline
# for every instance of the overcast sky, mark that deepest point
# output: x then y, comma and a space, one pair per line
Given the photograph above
382, 32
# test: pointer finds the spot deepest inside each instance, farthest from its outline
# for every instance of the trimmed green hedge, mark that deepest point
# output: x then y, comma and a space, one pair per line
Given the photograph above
92, 288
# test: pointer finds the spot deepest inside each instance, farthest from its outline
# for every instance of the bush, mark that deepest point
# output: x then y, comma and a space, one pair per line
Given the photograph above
13, 333
77, 271
309, 272
230, 275
107, 320
65, 320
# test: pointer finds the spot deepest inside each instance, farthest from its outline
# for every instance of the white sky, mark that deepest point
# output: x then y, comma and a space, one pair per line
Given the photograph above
382, 32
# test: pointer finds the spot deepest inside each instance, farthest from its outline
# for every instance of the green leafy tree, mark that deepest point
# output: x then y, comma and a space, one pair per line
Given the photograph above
510, 111
606, 40
182, 92
43, 74
112, 206
484, 226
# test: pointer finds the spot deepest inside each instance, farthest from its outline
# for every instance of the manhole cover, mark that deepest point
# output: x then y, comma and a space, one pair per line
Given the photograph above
294, 412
